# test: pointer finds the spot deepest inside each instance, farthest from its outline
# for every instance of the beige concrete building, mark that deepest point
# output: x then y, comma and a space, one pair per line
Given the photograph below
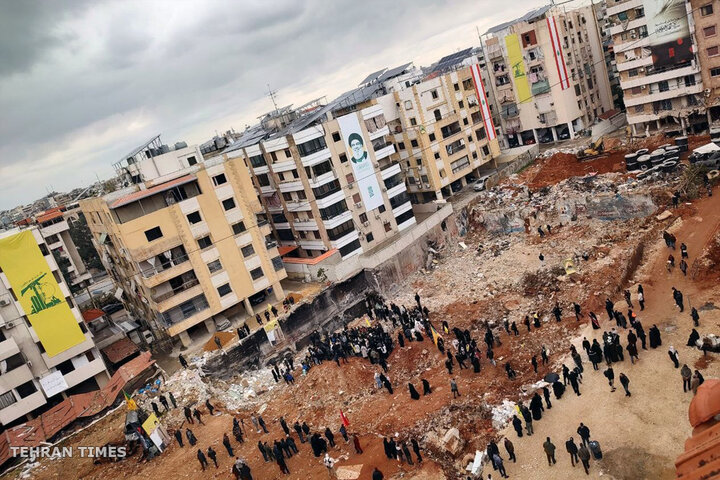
707, 34
544, 97
24, 362
665, 93
187, 241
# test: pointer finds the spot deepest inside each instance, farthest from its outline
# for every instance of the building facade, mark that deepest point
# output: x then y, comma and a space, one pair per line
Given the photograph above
24, 361
549, 74
187, 241
707, 33
660, 75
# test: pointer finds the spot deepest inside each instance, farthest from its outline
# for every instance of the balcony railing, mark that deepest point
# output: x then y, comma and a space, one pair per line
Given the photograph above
185, 310
160, 267
185, 286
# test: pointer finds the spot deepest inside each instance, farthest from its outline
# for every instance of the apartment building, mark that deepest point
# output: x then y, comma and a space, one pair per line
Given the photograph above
550, 77
309, 181
55, 229
707, 34
186, 240
660, 75
600, 12
443, 138
32, 380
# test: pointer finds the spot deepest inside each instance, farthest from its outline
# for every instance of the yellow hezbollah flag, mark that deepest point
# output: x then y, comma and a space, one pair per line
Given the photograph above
38, 293
131, 405
435, 335
517, 69
151, 424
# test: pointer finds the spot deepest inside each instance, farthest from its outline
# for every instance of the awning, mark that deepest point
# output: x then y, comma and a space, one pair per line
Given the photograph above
135, 196
285, 249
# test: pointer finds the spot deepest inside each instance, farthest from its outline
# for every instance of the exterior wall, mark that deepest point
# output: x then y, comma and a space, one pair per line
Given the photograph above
155, 292
705, 40
653, 97
431, 160
551, 111
20, 339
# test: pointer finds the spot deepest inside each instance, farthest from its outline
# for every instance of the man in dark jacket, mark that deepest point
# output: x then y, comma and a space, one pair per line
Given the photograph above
201, 458
572, 449
584, 455
584, 433
377, 475
549, 449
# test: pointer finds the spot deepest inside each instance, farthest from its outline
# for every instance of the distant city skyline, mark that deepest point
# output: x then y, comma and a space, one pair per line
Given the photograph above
83, 83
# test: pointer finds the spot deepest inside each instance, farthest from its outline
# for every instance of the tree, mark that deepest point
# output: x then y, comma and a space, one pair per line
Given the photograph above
64, 265
81, 236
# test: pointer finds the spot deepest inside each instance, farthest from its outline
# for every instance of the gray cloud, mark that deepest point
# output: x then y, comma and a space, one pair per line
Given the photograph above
81, 86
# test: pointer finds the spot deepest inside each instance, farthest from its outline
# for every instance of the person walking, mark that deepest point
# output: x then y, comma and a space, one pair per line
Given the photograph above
356, 444
226, 444
517, 425
454, 388
641, 300
686, 375
178, 437
201, 458
213, 456
534, 363
610, 375
625, 381
572, 449
584, 433
584, 455
182, 360
527, 416
510, 450
377, 474
426, 387
330, 465
196, 414
694, 315
190, 437
188, 414
500, 466
673, 354
549, 449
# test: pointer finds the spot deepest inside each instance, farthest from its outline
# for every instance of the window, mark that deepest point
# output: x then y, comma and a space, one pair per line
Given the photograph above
413, 122
204, 242
456, 87
485, 150
418, 161
219, 179
50, 239
404, 217
639, 108
228, 204
214, 266
191, 161
465, 121
467, 84
312, 146
431, 137
343, 158
350, 178
336, 136
442, 172
194, 217
437, 114
7, 399
273, 155
238, 228
434, 94
636, 90
356, 198
224, 290
341, 230
263, 180
480, 133
257, 161
633, 72
333, 210
256, 273
706, 10
369, 237
247, 250
663, 86
461, 104
277, 264
350, 247
401, 145
153, 234
437, 155
90, 356
387, 226
474, 156
715, 72
709, 31
363, 217
414, 143
713, 51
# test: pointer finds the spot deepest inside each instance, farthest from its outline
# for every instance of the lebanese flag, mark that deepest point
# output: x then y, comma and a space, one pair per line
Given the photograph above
558, 52
344, 419
482, 98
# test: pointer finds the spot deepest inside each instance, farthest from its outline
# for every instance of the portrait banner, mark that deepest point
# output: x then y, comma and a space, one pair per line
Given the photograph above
358, 147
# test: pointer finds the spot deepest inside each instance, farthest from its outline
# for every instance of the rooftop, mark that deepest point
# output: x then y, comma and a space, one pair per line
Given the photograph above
528, 17
140, 194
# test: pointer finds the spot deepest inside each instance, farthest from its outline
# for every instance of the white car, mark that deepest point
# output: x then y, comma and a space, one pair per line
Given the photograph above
480, 185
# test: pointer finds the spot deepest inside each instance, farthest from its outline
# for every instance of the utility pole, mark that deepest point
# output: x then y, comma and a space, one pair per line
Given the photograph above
272, 94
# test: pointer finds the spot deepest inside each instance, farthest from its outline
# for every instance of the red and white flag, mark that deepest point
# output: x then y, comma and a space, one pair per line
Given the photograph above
482, 98
344, 419
558, 52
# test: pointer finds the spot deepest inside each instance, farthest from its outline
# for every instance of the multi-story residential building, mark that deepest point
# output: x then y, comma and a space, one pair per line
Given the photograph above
24, 363
600, 12
550, 77
316, 198
660, 75
442, 136
187, 241
707, 33
55, 230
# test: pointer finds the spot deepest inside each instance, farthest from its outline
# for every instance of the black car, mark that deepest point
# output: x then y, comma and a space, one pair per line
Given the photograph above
112, 308
258, 298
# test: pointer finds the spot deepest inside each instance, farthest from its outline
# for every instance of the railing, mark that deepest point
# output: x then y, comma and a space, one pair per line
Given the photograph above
160, 267
186, 286
185, 310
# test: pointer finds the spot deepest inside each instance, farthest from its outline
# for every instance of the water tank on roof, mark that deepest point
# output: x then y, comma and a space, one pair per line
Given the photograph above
180, 145
164, 149
220, 142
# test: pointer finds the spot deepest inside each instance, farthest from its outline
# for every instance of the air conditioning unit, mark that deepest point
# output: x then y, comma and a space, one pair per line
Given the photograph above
4, 302
383, 189
351, 184
358, 205
366, 224
641, 69
377, 215
9, 324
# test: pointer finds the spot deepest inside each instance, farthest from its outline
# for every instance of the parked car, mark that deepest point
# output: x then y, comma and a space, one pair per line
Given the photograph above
112, 308
258, 298
481, 184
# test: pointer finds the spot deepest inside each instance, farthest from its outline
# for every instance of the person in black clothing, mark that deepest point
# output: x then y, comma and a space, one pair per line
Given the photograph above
226, 444
426, 387
546, 394
172, 399
534, 363
213, 456
572, 449
155, 409
237, 431
517, 425
377, 474
164, 402
190, 437
514, 329
416, 449
178, 437
584, 433
557, 312
183, 362
695, 317
201, 458
536, 407
413, 393
188, 414
527, 322
261, 447
558, 389
329, 435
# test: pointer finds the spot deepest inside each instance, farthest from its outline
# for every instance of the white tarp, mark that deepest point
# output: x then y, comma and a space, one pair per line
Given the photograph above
358, 151
709, 148
53, 384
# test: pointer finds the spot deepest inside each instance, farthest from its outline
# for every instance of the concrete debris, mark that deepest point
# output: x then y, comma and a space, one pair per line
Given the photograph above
451, 442
501, 414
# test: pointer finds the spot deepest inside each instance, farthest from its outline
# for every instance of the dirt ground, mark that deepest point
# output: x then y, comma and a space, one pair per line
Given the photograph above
640, 435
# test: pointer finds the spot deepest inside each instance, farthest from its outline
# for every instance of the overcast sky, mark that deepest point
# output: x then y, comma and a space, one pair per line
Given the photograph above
83, 82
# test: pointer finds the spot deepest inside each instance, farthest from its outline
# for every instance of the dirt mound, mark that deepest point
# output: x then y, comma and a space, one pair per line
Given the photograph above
636, 463
705, 267
225, 338
560, 166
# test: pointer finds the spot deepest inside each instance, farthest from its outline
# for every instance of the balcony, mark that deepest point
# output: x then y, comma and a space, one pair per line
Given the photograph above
337, 220
267, 189
384, 152
55, 228
330, 200
509, 111
455, 147
16, 376
70, 352
22, 407
8, 348
345, 239
406, 224
161, 297
322, 179
84, 372
305, 225
450, 130
390, 171
380, 132
293, 186
185, 311
161, 263
396, 190
285, 166
316, 157
499, 69
542, 85
301, 206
